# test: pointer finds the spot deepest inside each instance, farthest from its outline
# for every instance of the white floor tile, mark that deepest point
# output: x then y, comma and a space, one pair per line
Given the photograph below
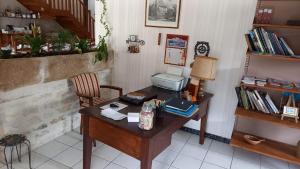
176, 145
127, 161
114, 166
36, 161
244, 164
210, 166
159, 165
181, 135
51, 149
196, 150
52, 165
222, 148
79, 146
75, 135
294, 166
166, 157
96, 163
194, 139
245, 159
1, 165
186, 162
69, 157
218, 159
106, 152
68, 140
270, 163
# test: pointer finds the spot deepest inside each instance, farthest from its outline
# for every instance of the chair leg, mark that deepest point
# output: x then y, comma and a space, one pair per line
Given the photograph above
94, 142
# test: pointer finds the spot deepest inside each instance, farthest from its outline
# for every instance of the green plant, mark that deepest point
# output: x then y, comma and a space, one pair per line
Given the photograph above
5, 54
64, 37
35, 41
102, 49
83, 46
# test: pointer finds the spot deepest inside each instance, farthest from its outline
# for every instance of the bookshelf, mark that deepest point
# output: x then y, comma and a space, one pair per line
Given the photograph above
276, 26
269, 148
272, 88
256, 115
274, 57
283, 10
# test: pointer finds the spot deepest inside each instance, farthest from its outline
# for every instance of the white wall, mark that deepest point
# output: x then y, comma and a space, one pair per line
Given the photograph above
220, 22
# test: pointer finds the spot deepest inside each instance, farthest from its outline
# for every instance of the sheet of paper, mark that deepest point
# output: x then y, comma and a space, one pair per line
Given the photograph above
121, 106
112, 114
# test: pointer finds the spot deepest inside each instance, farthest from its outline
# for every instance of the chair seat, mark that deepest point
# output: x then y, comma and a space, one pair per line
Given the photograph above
96, 101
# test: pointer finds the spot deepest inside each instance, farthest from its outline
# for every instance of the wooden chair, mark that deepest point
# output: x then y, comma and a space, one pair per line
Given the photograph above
88, 90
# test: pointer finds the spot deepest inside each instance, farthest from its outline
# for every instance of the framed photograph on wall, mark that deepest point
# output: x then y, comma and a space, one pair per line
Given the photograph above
176, 49
162, 13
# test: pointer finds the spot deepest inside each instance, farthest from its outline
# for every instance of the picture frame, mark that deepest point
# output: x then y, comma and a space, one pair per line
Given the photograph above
176, 49
162, 13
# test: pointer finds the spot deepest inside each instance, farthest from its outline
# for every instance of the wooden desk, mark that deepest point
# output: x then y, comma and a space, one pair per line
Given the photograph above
128, 138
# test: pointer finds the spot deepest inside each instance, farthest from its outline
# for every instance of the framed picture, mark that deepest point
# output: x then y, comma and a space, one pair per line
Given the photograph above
176, 49
162, 13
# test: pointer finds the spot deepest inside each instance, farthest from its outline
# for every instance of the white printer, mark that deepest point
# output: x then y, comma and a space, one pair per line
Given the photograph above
172, 79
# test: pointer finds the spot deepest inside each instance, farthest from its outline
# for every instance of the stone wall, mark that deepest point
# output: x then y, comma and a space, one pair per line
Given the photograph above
36, 97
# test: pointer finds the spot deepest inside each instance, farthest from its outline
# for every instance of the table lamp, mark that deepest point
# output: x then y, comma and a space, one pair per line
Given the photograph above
204, 68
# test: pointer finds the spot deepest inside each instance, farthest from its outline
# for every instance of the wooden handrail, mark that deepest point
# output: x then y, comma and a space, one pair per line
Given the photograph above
75, 8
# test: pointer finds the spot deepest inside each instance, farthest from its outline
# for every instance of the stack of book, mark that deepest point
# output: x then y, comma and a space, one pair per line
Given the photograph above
259, 40
253, 80
263, 16
254, 100
180, 107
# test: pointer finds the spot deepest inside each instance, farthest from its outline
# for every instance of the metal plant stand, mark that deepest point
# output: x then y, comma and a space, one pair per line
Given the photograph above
15, 141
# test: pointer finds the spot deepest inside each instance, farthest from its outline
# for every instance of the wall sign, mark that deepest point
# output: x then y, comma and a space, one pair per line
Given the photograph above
176, 49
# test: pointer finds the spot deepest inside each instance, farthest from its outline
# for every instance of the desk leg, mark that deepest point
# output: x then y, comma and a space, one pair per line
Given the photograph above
202, 129
87, 144
146, 161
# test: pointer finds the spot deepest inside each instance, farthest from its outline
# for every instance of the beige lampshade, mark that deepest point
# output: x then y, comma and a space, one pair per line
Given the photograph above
204, 68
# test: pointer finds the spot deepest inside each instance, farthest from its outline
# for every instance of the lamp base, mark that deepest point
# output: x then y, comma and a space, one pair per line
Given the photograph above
201, 88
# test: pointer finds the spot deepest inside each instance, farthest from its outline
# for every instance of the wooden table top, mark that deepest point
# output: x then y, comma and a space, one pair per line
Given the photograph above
165, 122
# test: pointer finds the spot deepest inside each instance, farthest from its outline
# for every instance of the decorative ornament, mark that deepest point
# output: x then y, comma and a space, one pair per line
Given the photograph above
134, 44
202, 48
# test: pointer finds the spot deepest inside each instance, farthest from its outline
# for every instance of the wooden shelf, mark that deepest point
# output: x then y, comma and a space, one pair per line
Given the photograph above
275, 57
276, 26
269, 148
273, 88
288, 122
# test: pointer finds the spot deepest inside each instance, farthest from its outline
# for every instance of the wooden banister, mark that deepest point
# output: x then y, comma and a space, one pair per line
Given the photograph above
77, 10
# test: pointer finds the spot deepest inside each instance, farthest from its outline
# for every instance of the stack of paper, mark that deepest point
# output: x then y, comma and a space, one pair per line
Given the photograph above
112, 114
133, 117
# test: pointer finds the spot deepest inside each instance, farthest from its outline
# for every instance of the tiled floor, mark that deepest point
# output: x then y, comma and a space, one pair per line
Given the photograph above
65, 152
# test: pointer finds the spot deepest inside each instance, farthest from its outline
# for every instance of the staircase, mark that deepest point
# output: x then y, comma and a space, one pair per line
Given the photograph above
70, 14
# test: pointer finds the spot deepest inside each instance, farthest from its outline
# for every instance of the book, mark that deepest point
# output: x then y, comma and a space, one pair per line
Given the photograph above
260, 100
238, 94
136, 95
244, 99
179, 104
250, 44
289, 50
254, 41
268, 42
271, 103
250, 100
264, 43
188, 113
261, 47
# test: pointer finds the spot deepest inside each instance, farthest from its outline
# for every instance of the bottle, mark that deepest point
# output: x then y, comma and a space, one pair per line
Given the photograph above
146, 117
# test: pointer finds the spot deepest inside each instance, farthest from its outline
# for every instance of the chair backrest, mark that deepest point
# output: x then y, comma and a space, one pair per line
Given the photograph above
86, 84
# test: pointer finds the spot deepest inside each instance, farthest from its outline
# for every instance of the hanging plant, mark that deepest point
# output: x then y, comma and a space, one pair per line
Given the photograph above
102, 49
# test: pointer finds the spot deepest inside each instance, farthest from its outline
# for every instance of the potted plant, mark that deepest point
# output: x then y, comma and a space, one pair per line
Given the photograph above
35, 41
102, 49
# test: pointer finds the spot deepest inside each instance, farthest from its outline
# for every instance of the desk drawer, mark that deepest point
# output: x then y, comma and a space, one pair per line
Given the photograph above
115, 137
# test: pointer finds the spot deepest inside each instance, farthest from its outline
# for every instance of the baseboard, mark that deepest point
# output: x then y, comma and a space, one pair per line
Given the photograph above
208, 135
